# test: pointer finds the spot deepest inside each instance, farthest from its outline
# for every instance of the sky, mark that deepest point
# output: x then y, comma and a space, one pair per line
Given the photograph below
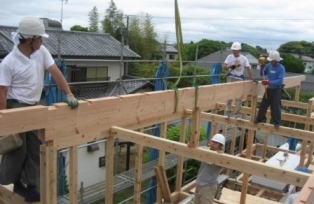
267, 23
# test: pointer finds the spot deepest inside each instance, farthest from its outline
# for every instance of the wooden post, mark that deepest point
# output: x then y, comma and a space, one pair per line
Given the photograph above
48, 173
195, 129
109, 169
181, 158
73, 186
138, 173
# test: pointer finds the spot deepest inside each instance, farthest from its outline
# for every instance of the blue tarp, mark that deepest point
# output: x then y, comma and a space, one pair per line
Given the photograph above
215, 79
52, 93
160, 84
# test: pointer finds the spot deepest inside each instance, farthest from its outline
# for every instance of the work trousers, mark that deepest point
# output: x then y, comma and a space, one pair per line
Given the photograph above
205, 194
238, 101
22, 164
273, 100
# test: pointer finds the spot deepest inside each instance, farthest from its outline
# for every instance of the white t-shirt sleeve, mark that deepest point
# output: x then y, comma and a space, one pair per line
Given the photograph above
48, 60
5, 75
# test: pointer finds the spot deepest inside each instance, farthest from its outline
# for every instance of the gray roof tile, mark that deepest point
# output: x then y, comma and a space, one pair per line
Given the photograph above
75, 44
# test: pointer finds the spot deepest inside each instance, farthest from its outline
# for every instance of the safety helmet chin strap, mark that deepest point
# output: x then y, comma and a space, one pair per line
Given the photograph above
31, 44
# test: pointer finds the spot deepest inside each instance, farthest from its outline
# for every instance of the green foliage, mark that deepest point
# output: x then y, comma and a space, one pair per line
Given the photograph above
173, 133
298, 47
142, 36
78, 28
113, 21
188, 71
93, 20
292, 64
205, 47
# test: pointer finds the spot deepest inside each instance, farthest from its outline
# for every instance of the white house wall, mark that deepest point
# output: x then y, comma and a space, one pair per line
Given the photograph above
113, 67
89, 171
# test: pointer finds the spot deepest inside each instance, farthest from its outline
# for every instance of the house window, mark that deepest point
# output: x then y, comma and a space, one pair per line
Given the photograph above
82, 74
172, 57
97, 74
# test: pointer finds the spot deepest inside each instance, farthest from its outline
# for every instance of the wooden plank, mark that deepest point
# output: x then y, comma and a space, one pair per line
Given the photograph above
179, 178
73, 165
163, 183
29, 118
263, 127
233, 197
109, 169
307, 193
208, 156
7, 196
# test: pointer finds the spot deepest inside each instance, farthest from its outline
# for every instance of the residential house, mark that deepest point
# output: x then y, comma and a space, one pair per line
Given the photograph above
169, 52
220, 56
308, 62
94, 69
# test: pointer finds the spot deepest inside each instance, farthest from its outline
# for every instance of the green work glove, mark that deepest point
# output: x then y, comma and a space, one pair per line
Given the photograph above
71, 101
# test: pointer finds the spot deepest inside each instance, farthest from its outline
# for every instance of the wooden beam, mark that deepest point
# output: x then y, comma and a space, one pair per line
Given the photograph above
163, 183
208, 156
306, 195
263, 127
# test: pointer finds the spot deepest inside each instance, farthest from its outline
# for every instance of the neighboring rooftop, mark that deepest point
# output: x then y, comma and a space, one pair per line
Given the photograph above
74, 44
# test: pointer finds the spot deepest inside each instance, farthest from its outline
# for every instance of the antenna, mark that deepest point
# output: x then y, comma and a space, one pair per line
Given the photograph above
59, 37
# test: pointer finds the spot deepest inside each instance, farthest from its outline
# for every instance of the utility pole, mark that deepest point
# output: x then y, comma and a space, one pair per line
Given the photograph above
59, 37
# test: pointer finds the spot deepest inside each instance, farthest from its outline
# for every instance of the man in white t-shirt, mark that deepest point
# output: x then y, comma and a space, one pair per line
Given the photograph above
21, 83
235, 63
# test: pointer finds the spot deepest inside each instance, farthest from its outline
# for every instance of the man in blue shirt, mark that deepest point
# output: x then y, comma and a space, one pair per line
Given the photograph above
272, 97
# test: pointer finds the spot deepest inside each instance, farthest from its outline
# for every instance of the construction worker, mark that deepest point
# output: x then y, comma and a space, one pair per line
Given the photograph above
292, 197
206, 180
235, 64
272, 96
21, 84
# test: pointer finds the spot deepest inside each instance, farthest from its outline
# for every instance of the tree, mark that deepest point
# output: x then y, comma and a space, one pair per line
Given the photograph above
78, 28
149, 38
113, 21
298, 47
142, 36
292, 64
93, 20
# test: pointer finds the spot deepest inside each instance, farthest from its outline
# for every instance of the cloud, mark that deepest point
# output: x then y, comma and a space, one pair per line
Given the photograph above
267, 24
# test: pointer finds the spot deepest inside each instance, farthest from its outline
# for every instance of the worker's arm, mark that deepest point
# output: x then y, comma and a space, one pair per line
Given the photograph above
3, 97
249, 70
63, 85
59, 78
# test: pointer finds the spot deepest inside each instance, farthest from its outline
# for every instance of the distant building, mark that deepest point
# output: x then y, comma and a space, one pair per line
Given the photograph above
220, 56
308, 62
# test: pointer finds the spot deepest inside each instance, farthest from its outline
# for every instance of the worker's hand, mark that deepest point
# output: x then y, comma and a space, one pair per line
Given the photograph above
233, 67
265, 82
71, 101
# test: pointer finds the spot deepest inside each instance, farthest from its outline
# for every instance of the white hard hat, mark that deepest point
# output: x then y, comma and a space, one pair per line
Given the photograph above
32, 26
274, 55
236, 46
219, 138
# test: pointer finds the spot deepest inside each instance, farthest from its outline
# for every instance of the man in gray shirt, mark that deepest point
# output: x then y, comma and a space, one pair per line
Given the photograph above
206, 180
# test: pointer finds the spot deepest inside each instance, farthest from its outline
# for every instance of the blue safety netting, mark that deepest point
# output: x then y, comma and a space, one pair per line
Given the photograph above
52, 93
160, 84
215, 79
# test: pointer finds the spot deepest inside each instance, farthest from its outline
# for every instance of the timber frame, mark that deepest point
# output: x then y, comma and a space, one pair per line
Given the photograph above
126, 116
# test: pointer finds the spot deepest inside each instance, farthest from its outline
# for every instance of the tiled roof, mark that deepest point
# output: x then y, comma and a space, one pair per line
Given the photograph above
75, 44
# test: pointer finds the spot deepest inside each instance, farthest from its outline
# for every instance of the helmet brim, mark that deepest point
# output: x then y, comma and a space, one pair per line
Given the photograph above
45, 35
269, 59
